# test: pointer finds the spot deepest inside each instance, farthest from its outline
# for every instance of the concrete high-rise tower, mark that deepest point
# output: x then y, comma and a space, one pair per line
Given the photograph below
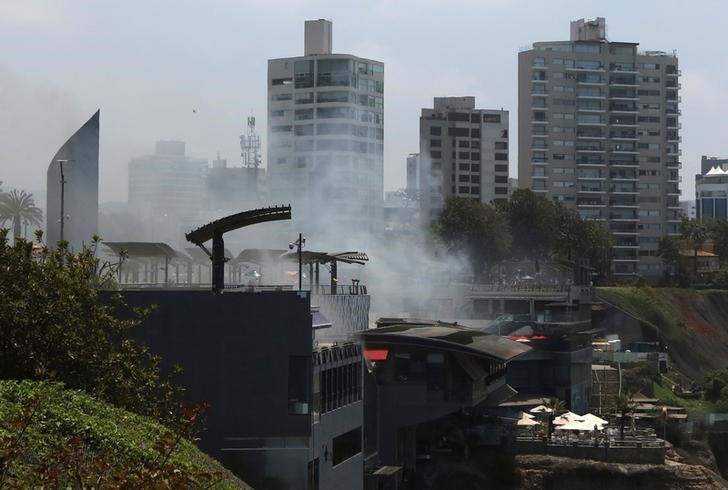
73, 184
598, 131
325, 138
463, 152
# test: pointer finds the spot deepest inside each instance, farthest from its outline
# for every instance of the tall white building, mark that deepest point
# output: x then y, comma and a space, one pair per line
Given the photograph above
598, 131
326, 138
463, 152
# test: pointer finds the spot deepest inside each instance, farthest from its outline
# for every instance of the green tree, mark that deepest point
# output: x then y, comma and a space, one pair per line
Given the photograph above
55, 326
19, 207
557, 407
532, 219
625, 406
718, 231
475, 229
668, 249
696, 232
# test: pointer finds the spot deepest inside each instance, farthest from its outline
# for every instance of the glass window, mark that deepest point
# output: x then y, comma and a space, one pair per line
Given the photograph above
303, 98
302, 114
337, 96
334, 73
303, 74
491, 118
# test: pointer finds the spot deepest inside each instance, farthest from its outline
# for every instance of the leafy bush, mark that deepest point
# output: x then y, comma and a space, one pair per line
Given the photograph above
53, 326
59, 438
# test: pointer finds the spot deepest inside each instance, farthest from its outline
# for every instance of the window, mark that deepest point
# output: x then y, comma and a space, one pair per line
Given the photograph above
333, 112
501, 190
346, 445
435, 130
501, 168
464, 155
435, 143
463, 144
475, 156
333, 73
282, 97
303, 74
324, 97
331, 128
458, 116
501, 179
435, 154
281, 129
462, 132
302, 114
299, 370
277, 113
501, 156
491, 118
587, 48
475, 133
501, 145
335, 145
304, 130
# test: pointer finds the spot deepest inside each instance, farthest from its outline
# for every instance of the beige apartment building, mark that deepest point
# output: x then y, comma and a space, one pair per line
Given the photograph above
598, 131
463, 152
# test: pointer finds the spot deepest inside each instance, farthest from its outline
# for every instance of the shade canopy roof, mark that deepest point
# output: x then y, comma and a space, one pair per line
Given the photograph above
239, 220
308, 256
580, 425
541, 409
446, 336
141, 250
525, 421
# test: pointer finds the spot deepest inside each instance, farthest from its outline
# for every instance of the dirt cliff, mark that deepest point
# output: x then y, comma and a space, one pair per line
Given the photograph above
552, 473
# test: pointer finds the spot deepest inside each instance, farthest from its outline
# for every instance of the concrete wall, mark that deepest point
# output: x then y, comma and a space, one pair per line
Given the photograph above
636, 454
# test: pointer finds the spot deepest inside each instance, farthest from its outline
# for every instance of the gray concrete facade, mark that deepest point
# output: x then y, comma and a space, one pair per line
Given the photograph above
80, 158
598, 131
463, 152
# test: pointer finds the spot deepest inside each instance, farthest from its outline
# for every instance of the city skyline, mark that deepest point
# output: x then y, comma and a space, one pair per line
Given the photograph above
164, 83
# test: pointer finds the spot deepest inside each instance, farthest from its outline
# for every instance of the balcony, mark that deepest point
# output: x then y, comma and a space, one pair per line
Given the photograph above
624, 202
623, 189
623, 176
623, 82
623, 229
624, 216
623, 107
590, 202
590, 162
590, 189
673, 73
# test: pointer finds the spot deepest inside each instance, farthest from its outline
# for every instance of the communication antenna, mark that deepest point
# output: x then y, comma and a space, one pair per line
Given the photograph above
250, 151
250, 146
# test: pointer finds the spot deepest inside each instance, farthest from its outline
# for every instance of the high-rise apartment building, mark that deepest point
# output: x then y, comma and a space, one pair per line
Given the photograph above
168, 184
463, 152
598, 131
413, 175
325, 138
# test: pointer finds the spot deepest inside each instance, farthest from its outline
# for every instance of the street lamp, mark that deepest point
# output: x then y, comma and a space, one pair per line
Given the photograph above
63, 195
299, 245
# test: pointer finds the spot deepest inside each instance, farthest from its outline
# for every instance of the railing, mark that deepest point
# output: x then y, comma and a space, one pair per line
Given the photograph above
520, 287
345, 289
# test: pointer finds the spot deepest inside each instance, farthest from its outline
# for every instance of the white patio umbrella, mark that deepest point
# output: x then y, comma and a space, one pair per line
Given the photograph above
594, 420
541, 409
525, 414
578, 425
565, 418
525, 421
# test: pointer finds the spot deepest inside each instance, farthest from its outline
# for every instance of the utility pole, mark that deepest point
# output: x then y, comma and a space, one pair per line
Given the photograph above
299, 244
63, 196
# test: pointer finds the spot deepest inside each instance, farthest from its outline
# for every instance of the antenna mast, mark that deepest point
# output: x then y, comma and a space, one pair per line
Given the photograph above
250, 151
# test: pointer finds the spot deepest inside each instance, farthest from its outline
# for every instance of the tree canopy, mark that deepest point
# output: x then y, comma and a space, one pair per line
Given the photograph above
527, 226
475, 229
19, 207
55, 326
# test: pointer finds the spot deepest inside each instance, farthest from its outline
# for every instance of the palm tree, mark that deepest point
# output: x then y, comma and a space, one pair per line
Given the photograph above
557, 408
696, 232
17, 207
625, 405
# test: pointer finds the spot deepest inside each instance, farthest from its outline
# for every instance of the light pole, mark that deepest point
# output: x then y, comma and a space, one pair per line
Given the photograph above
63, 196
299, 245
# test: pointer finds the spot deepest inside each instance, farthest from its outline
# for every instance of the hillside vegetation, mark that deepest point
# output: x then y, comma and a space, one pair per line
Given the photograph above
692, 323
48, 432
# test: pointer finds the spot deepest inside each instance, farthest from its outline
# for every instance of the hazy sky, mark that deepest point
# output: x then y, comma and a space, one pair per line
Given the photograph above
147, 64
